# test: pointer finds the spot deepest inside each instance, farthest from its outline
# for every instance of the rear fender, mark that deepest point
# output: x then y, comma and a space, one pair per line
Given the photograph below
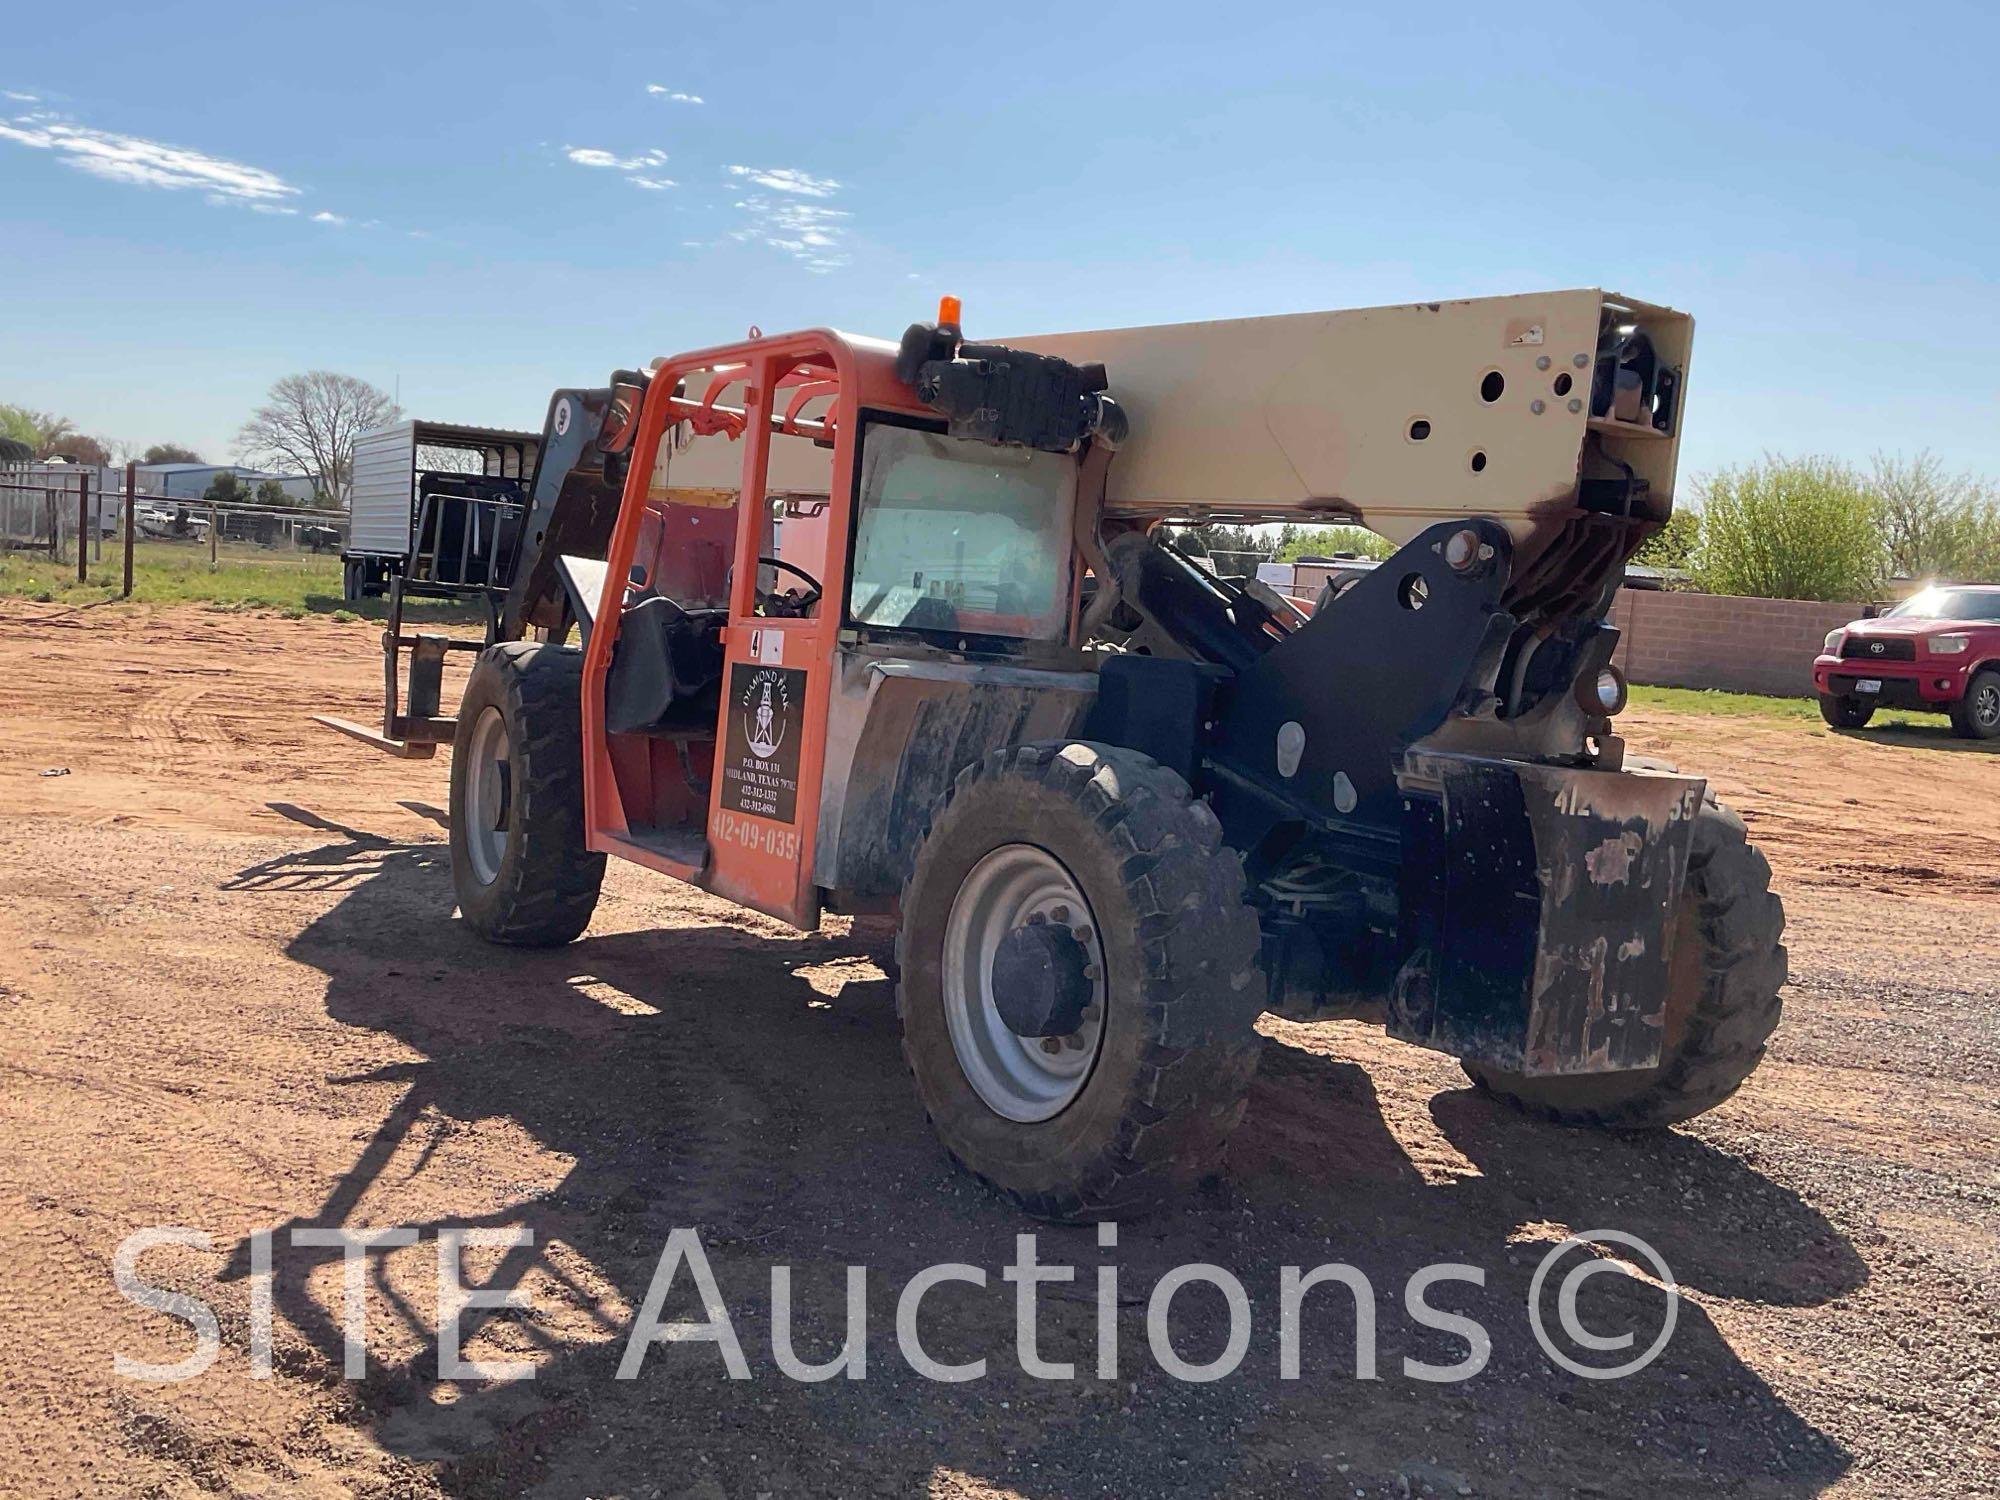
898, 732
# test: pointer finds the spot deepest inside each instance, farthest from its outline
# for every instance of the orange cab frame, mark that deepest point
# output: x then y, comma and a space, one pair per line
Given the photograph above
761, 861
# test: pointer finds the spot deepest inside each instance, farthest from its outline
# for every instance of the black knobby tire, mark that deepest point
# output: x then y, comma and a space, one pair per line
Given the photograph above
546, 884
350, 580
1976, 716
1182, 985
1844, 712
1724, 978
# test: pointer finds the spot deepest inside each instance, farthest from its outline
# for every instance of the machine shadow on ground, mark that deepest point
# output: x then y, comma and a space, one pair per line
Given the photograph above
697, 1076
1936, 736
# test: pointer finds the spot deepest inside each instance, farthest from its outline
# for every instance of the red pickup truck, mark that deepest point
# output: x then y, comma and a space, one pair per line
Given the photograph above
1937, 651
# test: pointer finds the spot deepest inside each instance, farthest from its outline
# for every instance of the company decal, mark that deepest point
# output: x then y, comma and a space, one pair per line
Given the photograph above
760, 769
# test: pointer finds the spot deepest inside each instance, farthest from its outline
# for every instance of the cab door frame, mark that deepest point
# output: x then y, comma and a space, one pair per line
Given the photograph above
756, 855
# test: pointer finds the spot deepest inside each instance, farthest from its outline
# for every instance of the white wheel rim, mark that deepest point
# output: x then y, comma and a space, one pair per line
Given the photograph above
488, 795
1986, 705
1019, 1078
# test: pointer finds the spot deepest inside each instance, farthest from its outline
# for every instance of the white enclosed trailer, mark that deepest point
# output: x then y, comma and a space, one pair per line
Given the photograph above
390, 466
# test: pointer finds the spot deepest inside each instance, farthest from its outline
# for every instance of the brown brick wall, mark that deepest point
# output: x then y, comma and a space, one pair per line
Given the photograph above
1717, 641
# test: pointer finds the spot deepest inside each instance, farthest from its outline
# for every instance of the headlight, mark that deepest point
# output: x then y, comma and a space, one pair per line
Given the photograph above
1833, 640
1603, 694
1949, 645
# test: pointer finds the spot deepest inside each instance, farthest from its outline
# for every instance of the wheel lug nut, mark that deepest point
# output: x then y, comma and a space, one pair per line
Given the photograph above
1090, 972
1060, 913
1052, 1044
1084, 934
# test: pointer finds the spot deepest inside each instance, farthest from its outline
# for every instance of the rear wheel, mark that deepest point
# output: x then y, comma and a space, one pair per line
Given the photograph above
1976, 716
1079, 979
1845, 712
350, 579
518, 861
1723, 981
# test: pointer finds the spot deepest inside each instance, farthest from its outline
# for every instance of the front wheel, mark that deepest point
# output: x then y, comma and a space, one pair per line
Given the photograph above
1976, 716
1723, 979
518, 861
1079, 979
1845, 712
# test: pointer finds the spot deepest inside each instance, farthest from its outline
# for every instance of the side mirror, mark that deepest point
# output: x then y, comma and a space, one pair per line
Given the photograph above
621, 418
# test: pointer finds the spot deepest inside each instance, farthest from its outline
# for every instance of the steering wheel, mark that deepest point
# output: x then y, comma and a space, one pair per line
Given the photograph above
802, 602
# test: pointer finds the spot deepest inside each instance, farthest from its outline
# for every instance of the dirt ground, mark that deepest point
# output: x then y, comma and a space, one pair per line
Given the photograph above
233, 997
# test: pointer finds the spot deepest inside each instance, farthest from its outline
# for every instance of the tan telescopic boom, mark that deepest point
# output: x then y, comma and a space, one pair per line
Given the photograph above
1390, 417
1393, 417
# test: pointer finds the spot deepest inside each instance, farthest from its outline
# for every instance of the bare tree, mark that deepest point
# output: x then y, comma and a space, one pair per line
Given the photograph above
80, 447
54, 430
309, 424
439, 458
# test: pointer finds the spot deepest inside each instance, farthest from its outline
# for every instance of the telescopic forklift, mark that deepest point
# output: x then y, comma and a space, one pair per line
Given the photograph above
910, 630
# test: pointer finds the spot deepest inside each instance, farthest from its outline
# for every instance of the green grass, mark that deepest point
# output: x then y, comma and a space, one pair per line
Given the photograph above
1755, 706
1729, 705
245, 577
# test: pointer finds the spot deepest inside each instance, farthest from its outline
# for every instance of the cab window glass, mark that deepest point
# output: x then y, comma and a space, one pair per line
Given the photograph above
958, 535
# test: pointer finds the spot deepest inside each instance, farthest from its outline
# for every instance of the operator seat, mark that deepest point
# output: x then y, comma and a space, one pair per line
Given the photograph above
666, 668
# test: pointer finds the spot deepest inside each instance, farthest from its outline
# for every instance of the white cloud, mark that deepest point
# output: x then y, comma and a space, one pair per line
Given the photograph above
810, 233
788, 180
674, 96
19, 98
657, 184
323, 217
143, 163
592, 156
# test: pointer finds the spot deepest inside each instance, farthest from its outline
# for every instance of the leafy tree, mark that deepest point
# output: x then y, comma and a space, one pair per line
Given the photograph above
18, 423
1233, 549
42, 431
1800, 528
308, 425
1330, 541
270, 492
1936, 524
1672, 546
226, 487
170, 453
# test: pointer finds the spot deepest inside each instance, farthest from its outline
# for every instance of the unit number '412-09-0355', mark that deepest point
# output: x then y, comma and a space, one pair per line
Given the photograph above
751, 834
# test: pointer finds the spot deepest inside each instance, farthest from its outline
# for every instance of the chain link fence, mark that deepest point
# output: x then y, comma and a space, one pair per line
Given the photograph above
57, 509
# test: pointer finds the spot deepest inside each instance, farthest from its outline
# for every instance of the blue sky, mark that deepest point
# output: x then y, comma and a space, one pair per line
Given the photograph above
481, 203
